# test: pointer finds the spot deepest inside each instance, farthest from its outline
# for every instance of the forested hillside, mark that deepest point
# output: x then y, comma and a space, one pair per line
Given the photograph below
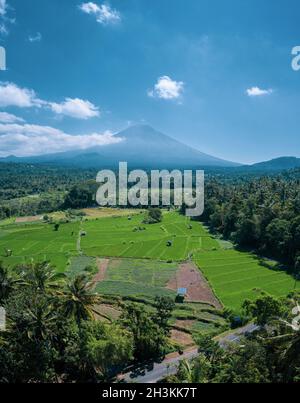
27, 189
260, 213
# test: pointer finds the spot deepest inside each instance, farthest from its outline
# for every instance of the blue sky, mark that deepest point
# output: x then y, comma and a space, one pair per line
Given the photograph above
215, 74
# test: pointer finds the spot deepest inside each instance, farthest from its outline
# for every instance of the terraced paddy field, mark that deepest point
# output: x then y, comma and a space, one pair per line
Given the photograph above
38, 242
235, 276
80, 264
140, 281
128, 237
137, 278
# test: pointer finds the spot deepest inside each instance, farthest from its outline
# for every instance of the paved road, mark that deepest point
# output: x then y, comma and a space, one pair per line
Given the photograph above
159, 371
170, 365
235, 336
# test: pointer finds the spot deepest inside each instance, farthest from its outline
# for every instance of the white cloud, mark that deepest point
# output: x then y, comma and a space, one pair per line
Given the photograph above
26, 140
258, 92
3, 7
104, 13
35, 38
9, 118
166, 88
5, 19
75, 108
12, 95
3, 30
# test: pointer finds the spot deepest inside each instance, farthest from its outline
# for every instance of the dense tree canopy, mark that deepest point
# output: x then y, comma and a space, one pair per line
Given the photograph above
260, 213
52, 333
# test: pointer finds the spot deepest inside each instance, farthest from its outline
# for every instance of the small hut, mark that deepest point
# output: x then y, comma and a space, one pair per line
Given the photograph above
181, 295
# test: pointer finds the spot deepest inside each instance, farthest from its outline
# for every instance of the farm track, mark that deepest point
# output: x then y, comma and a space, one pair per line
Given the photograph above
78, 243
102, 265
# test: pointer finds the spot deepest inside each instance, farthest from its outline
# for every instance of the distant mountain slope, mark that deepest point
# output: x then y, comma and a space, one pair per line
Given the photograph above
277, 164
141, 147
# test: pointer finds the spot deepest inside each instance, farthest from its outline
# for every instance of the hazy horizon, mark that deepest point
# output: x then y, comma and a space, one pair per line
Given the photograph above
120, 140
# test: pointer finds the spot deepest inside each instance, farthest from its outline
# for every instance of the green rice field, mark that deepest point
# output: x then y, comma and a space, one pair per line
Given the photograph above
123, 237
138, 278
236, 276
233, 275
38, 242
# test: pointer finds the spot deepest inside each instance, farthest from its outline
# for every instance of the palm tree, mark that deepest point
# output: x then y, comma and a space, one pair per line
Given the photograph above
41, 321
42, 278
7, 283
196, 371
79, 299
289, 343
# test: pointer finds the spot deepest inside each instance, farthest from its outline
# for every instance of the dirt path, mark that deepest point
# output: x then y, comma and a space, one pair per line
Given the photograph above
189, 276
102, 265
78, 243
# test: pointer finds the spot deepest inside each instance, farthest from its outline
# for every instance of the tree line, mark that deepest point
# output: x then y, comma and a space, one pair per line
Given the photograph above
52, 334
20, 180
259, 213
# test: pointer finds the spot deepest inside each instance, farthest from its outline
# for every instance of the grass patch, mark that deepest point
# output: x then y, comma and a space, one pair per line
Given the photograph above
123, 288
138, 278
7, 221
79, 264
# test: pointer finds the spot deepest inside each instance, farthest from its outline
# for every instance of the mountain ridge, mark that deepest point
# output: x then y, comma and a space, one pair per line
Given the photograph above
144, 147
276, 164
141, 147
